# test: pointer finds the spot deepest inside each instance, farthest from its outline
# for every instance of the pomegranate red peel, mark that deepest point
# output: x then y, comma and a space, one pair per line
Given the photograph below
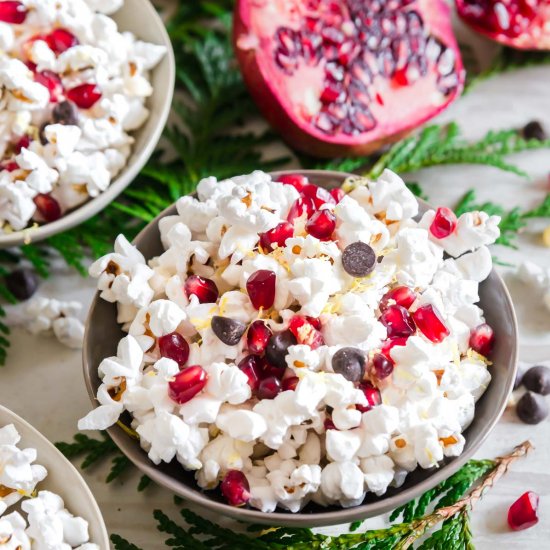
518, 24
290, 66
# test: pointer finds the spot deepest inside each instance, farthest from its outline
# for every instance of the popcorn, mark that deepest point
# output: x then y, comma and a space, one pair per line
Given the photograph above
343, 482
379, 473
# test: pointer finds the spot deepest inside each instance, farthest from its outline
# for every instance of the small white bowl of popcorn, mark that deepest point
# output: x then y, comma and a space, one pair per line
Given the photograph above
291, 352
86, 88
44, 502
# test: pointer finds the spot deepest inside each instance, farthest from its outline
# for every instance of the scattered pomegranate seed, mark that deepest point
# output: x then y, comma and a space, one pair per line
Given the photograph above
337, 194
329, 424
298, 181
251, 366
258, 336
276, 236
372, 394
482, 339
23, 143
305, 332
235, 488
315, 322
400, 76
398, 321
261, 288
201, 287
390, 343
61, 40
444, 223
383, 366
12, 12
523, 513
187, 383
84, 96
302, 206
322, 224
400, 295
51, 81
290, 383
174, 346
10, 166
48, 207
319, 195
430, 323
269, 388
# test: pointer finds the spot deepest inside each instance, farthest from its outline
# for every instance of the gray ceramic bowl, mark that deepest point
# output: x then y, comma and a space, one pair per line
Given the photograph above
103, 334
141, 18
63, 478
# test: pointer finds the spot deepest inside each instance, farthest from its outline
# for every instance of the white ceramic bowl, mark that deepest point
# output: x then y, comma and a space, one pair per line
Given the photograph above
63, 478
141, 18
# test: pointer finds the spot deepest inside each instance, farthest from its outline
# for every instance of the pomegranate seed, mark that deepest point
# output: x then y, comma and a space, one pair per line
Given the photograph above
329, 424
305, 332
398, 321
84, 96
400, 76
302, 206
444, 223
298, 181
276, 236
315, 322
482, 339
261, 288
251, 366
51, 81
23, 143
372, 394
523, 513
400, 295
187, 383
61, 40
204, 289
430, 323
48, 207
269, 369
10, 166
12, 12
330, 94
337, 194
318, 195
290, 383
258, 336
322, 224
391, 343
235, 488
383, 366
174, 346
269, 388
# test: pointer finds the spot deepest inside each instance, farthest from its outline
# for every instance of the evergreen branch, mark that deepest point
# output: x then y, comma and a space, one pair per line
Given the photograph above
122, 544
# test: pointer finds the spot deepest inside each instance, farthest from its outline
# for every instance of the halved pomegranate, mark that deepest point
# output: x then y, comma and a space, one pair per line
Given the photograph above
344, 77
521, 24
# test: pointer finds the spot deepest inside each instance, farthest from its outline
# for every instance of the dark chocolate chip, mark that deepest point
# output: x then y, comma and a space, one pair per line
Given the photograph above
350, 363
229, 331
22, 283
532, 408
277, 348
537, 379
358, 259
534, 130
65, 113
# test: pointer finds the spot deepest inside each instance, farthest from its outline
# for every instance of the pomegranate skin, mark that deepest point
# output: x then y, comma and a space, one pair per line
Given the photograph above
303, 136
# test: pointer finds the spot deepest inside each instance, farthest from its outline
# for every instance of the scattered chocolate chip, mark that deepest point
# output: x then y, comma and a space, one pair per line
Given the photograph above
358, 259
534, 130
532, 408
229, 331
537, 379
22, 283
350, 363
277, 348
65, 113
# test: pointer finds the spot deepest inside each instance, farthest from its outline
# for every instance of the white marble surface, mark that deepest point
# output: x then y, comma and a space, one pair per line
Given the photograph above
43, 381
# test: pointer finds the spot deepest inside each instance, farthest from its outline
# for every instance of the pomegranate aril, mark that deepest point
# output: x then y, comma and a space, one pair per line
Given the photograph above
61, 40
390, 343
301, 207
397, 321
276, 236
235, 488
204, 289
51, 81
258, 336
322, 224
481, 339
9, 166
174, 346
251, 366
430, 323
400, 295
12, 12
298, 181
318, 195
84, 96
523, 513
48, 207
23, 143
315, 322
373, 397
290, 383
261, 288
337, 194
444, 223
383, 366
305, 332
329, 424
269, 388
187, 383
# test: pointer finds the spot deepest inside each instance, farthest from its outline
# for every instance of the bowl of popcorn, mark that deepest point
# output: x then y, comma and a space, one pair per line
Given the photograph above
301, 348
85, 91
44, 502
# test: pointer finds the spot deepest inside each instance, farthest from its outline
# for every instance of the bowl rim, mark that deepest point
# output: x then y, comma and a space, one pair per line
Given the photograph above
21, 424
94, 205
315, 519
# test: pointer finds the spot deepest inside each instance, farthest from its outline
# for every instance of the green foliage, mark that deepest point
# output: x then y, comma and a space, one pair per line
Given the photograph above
122, 544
